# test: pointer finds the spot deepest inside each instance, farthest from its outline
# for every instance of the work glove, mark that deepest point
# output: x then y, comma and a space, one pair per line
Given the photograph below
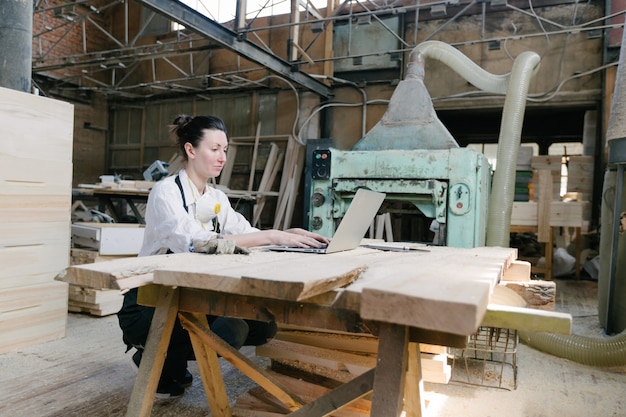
218, 246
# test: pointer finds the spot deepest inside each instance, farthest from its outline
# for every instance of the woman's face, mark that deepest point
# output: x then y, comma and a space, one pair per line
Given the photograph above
208, 158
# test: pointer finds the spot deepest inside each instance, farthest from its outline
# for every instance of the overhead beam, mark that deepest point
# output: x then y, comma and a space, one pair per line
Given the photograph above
204, 26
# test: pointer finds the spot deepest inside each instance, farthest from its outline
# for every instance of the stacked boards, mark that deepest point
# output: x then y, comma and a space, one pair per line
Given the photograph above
35, 202
98, 242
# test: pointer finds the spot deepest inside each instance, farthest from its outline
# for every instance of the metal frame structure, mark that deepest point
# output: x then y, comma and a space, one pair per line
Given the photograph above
109, 71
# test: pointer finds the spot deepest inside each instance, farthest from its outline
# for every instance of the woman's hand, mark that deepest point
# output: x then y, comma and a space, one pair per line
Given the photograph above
299, 238
292, 237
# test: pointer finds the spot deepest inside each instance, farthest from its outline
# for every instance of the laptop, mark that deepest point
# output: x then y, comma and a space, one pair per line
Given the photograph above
353, 226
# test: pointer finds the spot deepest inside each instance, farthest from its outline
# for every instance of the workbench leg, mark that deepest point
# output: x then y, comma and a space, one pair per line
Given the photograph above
142, 397
391, 366
241, 362
414, 388
210, 371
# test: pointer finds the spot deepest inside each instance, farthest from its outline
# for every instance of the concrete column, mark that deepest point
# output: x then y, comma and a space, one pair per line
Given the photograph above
16, 37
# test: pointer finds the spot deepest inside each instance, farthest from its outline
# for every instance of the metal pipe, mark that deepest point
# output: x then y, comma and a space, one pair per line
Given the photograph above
16, 37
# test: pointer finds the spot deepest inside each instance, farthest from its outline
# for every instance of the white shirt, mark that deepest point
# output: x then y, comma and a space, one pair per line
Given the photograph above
169, 226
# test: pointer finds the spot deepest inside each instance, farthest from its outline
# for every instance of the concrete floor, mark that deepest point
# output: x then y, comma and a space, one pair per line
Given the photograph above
87, 373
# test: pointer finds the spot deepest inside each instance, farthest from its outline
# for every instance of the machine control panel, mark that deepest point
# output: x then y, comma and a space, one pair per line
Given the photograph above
320, 164
459, 198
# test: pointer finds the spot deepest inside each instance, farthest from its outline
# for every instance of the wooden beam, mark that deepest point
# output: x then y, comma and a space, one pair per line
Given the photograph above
340, 396
153, 358
240, 361
527, 319
210, 371
390, 375
543, 207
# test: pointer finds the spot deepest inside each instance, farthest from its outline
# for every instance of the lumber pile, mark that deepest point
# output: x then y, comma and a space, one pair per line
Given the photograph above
341, 357
97, 302
579, 174
97, 242
311, 363
35, 200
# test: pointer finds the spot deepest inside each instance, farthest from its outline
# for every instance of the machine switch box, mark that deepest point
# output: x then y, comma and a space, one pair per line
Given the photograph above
320, 164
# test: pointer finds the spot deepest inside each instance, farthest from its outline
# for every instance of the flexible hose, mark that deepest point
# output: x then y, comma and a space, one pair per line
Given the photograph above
594, 351
503, 185
515, 85
609, 351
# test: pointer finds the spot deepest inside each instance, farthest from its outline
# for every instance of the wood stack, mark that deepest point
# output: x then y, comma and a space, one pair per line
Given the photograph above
97, 242
341, 357
35, 201
312, 363
580, 176
554, 164
97, 302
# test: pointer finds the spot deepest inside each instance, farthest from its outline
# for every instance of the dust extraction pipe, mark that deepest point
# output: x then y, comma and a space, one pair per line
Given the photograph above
598, 351
515, 86
586, 350
607, 351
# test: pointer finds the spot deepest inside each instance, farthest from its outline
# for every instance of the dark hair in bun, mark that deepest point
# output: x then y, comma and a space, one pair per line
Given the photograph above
191, 129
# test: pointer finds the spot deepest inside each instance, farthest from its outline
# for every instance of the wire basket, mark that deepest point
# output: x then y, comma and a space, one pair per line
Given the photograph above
489, 360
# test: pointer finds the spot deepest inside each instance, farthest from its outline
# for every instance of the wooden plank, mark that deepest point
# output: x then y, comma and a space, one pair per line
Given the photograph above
337, 398
18, 233
334, 341
255, 153
295, 175
435, 294
566, 214
580, 175
27, 279
306, 356
414, 388
100, 309
19, 261
123, 273
25, 119
543, 206
518, 271
32, 314
527, 319
86, 256
352, 363
35, 208
256, 403
297, 278
227, 170
537, 293
267, 180
310, 391
27, 176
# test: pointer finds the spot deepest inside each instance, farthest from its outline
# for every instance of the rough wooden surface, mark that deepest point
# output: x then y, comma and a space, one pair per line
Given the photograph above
35, 200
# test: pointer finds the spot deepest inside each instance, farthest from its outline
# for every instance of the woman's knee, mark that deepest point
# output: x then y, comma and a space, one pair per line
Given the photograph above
232, 331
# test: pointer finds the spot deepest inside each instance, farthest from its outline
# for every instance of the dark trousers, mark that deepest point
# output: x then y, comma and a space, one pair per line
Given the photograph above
135, 322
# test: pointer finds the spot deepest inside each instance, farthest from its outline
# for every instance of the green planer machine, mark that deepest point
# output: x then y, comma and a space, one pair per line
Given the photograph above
412, 157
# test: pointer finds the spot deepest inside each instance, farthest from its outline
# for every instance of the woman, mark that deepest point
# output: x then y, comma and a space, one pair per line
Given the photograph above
184, 213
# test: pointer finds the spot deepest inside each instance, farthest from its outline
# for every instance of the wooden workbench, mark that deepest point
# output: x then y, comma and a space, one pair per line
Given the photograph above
438, 296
